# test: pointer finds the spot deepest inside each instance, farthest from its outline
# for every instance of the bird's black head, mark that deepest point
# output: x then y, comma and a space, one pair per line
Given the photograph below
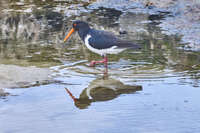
80, 26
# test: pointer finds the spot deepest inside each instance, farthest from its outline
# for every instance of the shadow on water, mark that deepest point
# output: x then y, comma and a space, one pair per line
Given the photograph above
102, 89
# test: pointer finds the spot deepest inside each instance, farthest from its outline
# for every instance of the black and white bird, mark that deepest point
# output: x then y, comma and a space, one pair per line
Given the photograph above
100, 42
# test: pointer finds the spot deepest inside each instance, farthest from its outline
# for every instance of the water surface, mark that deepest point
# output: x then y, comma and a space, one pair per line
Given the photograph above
155, 89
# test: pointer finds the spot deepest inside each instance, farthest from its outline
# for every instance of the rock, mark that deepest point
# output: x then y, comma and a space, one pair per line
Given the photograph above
12, 76
2, 93
182, 19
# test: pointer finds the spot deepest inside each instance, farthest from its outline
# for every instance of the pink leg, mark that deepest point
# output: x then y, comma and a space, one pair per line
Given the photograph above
105, 61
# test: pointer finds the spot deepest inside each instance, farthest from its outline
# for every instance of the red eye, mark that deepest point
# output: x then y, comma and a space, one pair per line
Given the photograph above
75, 25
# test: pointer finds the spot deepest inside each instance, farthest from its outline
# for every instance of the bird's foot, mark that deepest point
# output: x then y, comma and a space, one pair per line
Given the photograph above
92, 63
104, 61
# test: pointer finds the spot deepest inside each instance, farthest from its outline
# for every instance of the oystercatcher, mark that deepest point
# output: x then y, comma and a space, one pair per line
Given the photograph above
100, 42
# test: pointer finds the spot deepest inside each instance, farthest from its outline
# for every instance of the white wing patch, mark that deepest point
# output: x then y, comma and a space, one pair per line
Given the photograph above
111, 50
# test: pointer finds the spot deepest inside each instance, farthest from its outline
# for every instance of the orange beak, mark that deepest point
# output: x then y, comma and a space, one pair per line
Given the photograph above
69, 34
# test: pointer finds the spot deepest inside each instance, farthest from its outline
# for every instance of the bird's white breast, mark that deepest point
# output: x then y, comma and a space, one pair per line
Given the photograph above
111, 50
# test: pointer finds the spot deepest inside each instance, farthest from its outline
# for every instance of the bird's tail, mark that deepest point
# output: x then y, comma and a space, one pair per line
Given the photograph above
126, 44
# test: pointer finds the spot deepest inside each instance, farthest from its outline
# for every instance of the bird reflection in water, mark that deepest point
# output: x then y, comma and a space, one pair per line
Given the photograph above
102, 89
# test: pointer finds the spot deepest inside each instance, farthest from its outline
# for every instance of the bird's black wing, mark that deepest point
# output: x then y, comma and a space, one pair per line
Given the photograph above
103, 40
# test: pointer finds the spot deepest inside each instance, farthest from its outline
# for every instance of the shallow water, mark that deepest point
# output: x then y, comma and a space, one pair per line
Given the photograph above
155, 89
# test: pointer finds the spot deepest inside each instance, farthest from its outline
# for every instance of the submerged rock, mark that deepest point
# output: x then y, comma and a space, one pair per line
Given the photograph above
185, 21
49, 20
182, 17
3, 93
12, 76
137, 6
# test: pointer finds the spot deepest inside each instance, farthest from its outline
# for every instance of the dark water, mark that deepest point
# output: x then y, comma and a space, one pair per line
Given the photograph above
152, 90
